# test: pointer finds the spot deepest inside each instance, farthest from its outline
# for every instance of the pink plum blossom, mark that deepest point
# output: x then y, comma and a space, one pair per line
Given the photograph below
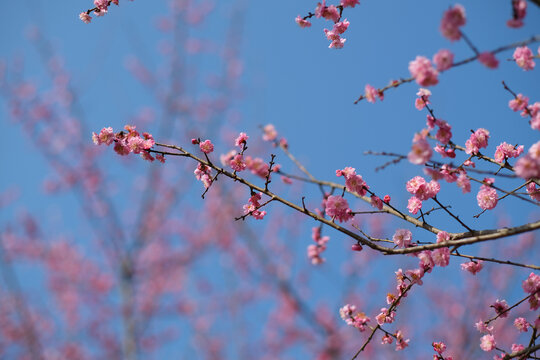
524, 58
252, 207
487, 342
85, 17
241, 140
238, 163
420, 151
349, 3
519, 10
488, 59
501, 308
443, 59
269, 133
521, 324
402, 238
477, 141
206, 146
423, 99
423, 72
505, 151
487, 196
338, 208
452, 20
302, 22
519, 103
473, 266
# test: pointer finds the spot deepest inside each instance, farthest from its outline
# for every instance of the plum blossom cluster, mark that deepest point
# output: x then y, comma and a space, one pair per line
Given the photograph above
332, 13
203, 173
353, 182
452, 20
524, 58
421, 191
444, 133
438, 257
487, 195
519, 11
314, 251
253, 205
505, 151
352, 318
531, 286
528, 166
126, 143
371, 94
477, 141
101, 8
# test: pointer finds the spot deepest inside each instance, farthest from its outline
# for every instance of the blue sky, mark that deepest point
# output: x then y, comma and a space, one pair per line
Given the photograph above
290, 79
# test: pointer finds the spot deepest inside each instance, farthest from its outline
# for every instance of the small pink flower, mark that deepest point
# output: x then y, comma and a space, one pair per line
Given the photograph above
338, 208
422, 189
519, 10
387, 339
423, 99
237, 163
439, 347
464, 183
441, 256
517, 347
452, 20
521, 324
423, 72
527, 167
487, 197
376, 202
533, 191
443, 59
414, 205
400, 342
524, 58
501, 308
341, 27
370, 93
270, 133
349, 3
101, 4
531, 284
426, 261
160, 158
85, 18
347, 312
402, 238
353, 182
106, 136
443, 236
519, 103
487, 342
444, 134
302, 22
420, 151
489, 60
482, 327
206, 146
241, 140
473, 266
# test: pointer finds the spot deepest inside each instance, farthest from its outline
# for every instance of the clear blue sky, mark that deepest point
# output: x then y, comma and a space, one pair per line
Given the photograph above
290, 79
